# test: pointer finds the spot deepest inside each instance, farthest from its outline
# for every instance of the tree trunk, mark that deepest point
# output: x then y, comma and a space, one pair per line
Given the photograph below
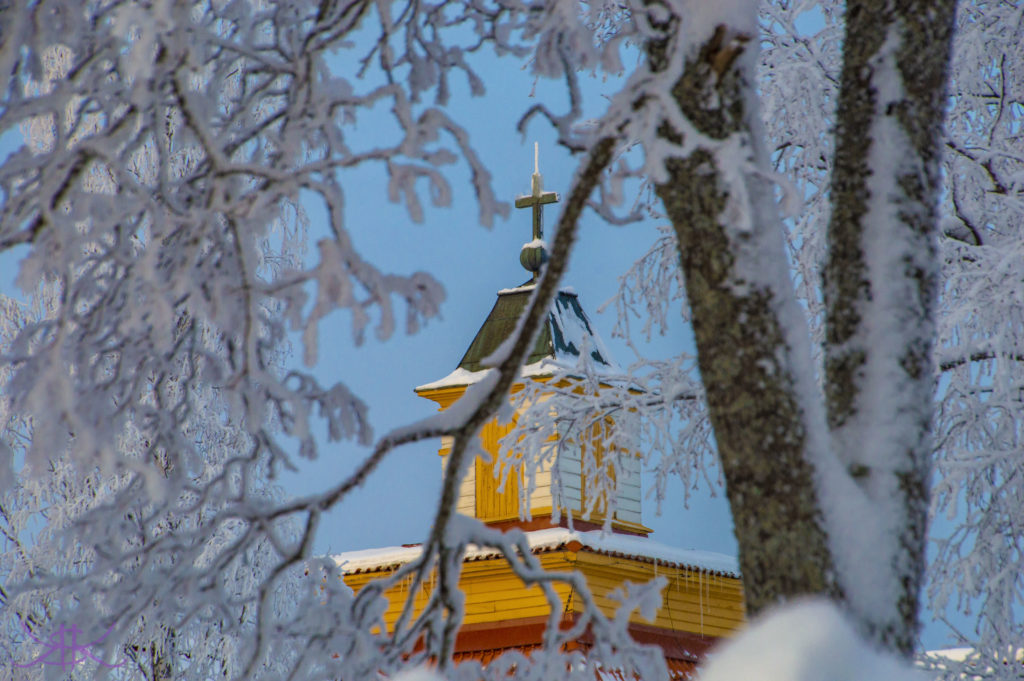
880, 280
752, 372
777, 445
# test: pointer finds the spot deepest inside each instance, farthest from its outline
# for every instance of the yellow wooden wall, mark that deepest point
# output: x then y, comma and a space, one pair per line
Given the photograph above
494, 502
693, 601
479, 494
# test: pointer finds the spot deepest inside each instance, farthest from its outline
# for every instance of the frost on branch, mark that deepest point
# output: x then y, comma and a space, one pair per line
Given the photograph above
156, 206
980, 456
156, 203
157, 211
585, 421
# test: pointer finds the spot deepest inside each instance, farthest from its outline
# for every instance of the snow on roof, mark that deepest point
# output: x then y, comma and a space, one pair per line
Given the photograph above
573, 334
529, 286
458, 377
627, 546
560, 347
962, 654
545, 367
953, 654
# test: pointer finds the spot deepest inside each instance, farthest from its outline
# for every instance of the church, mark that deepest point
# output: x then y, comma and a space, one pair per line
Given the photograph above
702, 601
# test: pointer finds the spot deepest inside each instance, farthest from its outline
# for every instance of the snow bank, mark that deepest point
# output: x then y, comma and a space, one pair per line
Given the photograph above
809, 640
418, 674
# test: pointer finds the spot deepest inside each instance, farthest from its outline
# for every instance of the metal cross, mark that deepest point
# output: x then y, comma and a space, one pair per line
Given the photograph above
537, 197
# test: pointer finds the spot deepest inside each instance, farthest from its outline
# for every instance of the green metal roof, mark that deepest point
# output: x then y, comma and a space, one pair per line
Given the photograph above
560, 338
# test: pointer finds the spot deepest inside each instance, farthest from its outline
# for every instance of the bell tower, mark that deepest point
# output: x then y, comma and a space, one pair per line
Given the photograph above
702, 596
495, 492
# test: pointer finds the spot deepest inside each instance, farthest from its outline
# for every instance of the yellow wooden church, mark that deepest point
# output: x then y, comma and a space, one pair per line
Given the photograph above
703, 598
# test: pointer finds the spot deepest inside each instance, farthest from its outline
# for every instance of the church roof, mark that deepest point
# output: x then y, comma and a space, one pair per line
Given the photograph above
563, 337
566, 334
554, 539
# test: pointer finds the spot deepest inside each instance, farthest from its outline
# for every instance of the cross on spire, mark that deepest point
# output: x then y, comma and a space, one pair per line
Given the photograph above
537, 197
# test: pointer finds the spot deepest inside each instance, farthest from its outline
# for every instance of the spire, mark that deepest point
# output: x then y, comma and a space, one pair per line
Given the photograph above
533, 255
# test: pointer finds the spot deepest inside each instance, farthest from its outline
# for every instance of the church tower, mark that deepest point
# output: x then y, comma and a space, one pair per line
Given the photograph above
490, 491
702, 600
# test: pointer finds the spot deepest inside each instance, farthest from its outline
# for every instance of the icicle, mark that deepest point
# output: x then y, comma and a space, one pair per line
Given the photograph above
700, 599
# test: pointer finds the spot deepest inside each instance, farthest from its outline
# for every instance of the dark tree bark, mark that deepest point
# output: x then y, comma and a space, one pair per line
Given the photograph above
760, 428
769, 419
893, 206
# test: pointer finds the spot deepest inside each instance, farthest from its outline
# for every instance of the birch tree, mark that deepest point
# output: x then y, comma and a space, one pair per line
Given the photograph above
793, 486
820, 273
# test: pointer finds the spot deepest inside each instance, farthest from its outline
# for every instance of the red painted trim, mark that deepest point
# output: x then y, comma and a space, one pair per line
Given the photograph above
543, 522
529, 632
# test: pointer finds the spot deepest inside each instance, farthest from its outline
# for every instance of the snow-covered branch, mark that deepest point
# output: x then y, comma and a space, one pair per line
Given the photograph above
159, 208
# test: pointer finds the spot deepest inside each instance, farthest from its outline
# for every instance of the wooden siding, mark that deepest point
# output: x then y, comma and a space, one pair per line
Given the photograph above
693, 601
570, 471
628, 490
497, 488
492, 592
466, 503
492, 498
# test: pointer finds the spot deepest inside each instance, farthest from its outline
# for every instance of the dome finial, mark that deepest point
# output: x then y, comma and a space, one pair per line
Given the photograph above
533, 255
